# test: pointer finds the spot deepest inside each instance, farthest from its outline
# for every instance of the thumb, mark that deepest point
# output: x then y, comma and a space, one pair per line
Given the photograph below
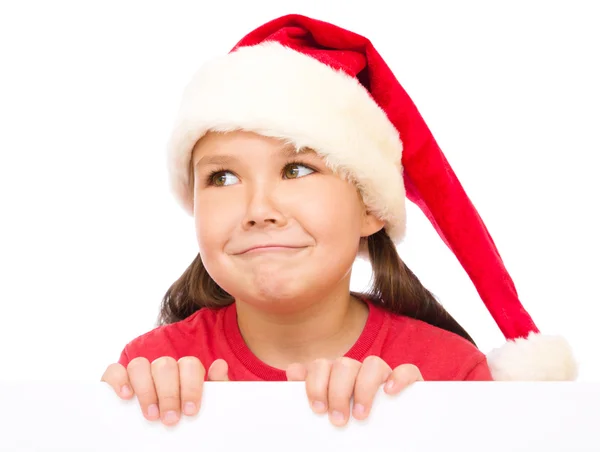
218, 371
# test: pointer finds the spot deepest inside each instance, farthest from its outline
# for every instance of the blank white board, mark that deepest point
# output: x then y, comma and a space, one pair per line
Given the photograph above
248, 416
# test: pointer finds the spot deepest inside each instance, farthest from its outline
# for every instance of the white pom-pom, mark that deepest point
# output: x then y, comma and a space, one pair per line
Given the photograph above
537, 358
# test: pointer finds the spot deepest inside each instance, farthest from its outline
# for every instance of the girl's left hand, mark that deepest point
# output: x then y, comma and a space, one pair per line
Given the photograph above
330, 385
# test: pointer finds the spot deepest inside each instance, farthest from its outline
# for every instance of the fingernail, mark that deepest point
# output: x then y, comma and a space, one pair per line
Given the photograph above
359, 410
171, 417
153, 411
125, 391
389, 385
337, 417
319, 407
189, 408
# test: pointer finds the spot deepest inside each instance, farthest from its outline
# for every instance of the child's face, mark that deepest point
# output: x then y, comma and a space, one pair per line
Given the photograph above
251, 191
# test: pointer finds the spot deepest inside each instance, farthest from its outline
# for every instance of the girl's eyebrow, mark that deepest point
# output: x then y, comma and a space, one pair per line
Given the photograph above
222, 159
289, 152
227, 159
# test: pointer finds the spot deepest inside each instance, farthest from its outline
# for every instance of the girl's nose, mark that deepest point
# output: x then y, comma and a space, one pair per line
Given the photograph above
262, 210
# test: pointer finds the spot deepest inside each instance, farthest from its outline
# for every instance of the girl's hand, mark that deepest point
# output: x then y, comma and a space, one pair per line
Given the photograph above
331, 384
165, 388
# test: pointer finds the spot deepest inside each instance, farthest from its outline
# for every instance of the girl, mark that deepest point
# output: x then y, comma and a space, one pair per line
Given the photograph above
294, 154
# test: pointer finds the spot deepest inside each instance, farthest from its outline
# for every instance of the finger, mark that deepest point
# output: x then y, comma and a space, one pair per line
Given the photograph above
317, 384
191, 383
116, 376
165, 373
140, 377
296, 372
372, 374
402, 376
218, 371
341, 387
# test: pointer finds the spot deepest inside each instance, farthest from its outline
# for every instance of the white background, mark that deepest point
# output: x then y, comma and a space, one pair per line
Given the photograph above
91, 238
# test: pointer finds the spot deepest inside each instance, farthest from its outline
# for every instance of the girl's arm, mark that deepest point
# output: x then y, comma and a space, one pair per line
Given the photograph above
481, 372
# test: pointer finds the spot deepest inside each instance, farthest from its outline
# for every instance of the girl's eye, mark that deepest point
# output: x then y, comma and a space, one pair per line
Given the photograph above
222, 178
295, 170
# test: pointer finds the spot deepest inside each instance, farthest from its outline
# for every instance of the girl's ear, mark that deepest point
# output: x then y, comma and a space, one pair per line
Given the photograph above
370, 224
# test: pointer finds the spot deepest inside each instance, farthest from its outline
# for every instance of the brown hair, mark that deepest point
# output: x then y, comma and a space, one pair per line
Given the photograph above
395, 288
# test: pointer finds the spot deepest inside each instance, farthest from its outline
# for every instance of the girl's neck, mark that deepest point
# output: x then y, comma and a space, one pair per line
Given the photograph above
325, 329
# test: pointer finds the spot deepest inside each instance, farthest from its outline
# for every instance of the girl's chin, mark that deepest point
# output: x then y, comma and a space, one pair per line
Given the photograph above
277, 297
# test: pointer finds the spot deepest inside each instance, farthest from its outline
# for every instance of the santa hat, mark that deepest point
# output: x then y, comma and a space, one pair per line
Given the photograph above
319, 86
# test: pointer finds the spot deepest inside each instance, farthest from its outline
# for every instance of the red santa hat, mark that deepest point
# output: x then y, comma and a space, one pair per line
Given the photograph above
319, 86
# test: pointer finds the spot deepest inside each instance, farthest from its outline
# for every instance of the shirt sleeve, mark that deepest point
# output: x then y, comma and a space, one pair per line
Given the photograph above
124, 358
480, 372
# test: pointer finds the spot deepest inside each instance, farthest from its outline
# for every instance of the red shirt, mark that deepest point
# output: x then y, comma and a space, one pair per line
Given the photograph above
210, 334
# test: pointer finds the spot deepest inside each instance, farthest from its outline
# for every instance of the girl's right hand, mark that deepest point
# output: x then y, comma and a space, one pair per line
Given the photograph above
165, 388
